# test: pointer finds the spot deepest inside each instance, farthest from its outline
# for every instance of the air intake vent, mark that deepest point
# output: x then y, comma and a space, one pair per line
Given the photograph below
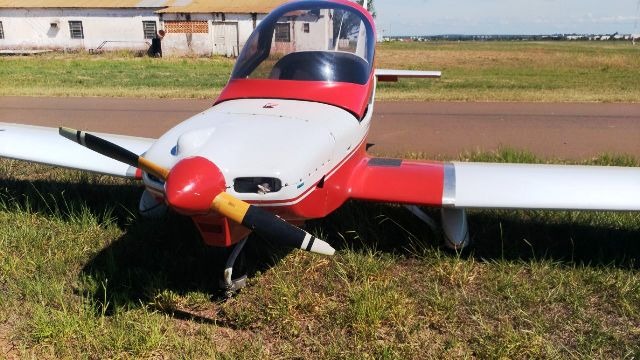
257, 185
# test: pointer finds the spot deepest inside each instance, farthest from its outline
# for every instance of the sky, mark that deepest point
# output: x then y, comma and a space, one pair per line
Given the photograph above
434, 17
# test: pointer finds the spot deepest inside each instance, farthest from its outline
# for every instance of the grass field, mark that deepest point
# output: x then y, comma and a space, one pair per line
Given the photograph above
82, 276
473, 71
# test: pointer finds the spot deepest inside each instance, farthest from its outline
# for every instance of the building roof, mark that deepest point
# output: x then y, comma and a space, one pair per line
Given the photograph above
166, 6
222, 6
101, 4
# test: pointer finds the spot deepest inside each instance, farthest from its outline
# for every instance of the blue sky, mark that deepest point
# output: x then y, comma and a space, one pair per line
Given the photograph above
432, 17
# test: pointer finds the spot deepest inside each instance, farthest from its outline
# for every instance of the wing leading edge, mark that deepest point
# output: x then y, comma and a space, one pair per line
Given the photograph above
497, 186
44, 145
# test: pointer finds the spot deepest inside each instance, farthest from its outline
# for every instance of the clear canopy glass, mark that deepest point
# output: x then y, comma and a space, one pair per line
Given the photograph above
309, 41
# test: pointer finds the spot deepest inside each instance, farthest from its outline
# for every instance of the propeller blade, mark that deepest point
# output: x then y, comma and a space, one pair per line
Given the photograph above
268, 224
113, 151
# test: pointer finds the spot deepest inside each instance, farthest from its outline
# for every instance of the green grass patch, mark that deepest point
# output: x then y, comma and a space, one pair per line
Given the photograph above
82, 276
472, 71
113, 75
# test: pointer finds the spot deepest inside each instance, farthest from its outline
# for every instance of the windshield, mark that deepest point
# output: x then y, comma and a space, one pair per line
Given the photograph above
309, 41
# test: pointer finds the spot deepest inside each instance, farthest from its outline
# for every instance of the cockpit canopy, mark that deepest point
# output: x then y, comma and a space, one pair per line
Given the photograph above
310, 41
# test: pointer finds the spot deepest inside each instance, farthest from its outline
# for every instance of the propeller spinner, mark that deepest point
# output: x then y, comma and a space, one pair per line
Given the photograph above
196, 186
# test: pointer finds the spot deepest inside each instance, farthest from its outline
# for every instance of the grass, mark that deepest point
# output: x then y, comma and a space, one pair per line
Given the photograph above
82, 276
517, 71
473, 71
113, 75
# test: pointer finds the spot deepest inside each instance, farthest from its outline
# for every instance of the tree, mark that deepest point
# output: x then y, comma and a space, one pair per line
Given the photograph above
372, 8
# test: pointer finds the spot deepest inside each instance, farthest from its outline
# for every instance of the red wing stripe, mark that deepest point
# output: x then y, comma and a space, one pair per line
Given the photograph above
399, 181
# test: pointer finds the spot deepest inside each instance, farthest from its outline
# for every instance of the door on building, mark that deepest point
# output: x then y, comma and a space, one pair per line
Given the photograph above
225, 38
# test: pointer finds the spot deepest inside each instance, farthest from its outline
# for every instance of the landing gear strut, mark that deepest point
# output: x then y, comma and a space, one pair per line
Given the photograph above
454, 225
230, 284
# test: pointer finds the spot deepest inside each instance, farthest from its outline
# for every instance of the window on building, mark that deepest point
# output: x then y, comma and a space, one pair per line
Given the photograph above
75, 29
283, 32
305, 27
1, 31
149, 28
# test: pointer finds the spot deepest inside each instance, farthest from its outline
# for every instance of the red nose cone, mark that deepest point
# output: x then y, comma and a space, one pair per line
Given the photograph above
192, 185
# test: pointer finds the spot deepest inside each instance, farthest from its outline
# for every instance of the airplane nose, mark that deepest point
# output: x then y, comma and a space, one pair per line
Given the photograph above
192, 185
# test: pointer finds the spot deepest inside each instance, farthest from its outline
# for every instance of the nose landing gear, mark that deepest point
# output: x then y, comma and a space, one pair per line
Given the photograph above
235, 272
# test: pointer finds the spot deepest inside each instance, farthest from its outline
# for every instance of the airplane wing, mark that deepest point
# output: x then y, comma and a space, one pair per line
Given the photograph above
44, 145
497, 186
526, 186
394, 75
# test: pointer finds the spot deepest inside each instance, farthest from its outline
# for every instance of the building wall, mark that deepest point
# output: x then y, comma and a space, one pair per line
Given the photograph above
175, 44
31, 28
122, 28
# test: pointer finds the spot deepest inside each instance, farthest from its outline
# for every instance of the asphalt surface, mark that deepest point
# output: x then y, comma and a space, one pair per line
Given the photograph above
566, 130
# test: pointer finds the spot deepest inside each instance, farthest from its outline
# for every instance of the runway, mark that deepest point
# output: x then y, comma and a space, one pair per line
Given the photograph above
565, 130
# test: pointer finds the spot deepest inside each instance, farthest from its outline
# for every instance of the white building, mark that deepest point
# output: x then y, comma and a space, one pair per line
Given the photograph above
205, 27
198, 27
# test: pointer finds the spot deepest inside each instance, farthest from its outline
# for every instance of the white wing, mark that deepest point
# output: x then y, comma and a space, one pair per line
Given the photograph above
393, 75
44, 145
526, 186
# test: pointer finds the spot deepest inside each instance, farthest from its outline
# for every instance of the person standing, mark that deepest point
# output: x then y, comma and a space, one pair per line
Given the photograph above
155, 50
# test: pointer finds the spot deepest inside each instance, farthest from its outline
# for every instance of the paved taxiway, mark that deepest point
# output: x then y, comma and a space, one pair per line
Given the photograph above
567, 130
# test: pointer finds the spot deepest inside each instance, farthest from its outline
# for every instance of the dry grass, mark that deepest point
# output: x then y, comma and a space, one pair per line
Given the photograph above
517, 71
484, 55
473, 71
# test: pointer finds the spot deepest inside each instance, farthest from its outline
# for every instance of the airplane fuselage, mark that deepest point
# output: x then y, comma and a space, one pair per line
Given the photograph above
288, 128
298, 145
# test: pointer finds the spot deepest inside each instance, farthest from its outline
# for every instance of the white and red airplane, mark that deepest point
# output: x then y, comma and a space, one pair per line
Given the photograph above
286, 141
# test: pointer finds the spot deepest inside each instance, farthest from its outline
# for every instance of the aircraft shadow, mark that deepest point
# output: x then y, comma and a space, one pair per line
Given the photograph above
168, 254
510, 236
117, 202
154, 256
566, 243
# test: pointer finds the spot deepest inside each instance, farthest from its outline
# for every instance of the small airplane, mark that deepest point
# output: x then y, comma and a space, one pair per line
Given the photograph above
286, 142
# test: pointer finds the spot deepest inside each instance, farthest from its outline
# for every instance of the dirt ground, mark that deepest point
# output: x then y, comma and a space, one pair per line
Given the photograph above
566, 130
7, 347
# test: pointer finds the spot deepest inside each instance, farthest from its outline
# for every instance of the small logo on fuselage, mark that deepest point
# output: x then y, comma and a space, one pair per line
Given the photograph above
269, 105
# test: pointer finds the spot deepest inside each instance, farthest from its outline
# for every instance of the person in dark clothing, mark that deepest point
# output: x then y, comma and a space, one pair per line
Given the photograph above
155, 50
